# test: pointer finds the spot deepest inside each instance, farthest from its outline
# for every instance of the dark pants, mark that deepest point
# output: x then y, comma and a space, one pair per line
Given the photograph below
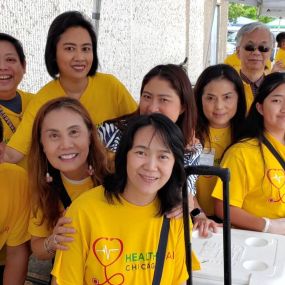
1, 273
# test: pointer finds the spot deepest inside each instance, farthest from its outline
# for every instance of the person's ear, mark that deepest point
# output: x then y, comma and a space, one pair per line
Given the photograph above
259, 108
238, 52
182, 110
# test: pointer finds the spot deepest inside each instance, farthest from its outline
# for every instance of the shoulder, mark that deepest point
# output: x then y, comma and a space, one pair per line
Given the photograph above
10, 168
89, 199
104, 78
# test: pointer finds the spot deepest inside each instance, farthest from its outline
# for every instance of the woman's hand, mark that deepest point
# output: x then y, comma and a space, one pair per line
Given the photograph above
204, 225
60, 234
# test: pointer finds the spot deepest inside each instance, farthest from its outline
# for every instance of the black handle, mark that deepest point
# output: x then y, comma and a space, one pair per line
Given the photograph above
224, 174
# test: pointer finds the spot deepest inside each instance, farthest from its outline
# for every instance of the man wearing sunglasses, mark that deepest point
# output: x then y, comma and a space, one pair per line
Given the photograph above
254, 44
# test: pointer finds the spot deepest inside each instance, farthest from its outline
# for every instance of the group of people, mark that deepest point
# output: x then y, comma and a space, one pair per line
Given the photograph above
98, 176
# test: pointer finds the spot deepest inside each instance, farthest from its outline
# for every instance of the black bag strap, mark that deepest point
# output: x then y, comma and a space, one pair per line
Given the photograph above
64, 198
273, 151
161, 251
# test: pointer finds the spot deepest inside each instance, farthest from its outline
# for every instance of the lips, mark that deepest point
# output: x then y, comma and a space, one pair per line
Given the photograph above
5, 77
148, 178
68, 156
78, 67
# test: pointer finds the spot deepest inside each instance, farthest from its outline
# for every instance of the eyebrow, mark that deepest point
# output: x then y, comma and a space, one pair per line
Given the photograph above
73, 44
228, 93
70, 127
147, 148
161, 95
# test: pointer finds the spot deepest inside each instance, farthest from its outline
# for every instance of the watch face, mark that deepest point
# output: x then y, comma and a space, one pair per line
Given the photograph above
195, 212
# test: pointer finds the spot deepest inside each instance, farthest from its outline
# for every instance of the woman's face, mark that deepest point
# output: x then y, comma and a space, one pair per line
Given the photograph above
65, 139
11, 70
159, 97
149, 166
273, 111
219, 102
74, 54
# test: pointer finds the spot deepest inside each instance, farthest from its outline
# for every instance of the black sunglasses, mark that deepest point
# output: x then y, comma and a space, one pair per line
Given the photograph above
252, 48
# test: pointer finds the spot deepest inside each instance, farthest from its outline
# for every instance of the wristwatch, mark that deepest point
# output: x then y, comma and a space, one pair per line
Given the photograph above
196, 212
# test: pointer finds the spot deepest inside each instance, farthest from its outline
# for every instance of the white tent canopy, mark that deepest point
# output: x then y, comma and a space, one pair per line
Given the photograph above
272, 8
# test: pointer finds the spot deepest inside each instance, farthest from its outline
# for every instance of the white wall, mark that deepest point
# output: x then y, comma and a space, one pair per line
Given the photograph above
134, 35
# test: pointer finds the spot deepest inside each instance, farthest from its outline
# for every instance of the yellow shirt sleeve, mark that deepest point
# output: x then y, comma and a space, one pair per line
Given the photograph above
14, 204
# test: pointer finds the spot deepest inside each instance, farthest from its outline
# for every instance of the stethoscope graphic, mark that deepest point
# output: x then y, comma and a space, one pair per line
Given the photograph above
107, 252
276, 185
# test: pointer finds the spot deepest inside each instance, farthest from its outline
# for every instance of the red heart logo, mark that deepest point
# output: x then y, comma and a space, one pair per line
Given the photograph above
107, 250
277, 179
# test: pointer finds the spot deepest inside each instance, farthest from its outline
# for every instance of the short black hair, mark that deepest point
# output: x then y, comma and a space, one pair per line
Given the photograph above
170, 194
280, 38
1, 131
59, 25
17, 45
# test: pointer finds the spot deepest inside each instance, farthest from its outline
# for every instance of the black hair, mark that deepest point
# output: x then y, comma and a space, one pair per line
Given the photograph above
59, 25
17, 45
179, 81
219, 71
1, 131
280, 38
170, 194
254, 124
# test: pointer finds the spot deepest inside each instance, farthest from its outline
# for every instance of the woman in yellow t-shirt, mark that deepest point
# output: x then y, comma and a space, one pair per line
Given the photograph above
221, 109
13, 101
71, 60
257, 184
118, 226
66, 159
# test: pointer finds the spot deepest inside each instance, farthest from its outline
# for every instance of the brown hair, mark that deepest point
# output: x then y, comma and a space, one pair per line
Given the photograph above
45, 196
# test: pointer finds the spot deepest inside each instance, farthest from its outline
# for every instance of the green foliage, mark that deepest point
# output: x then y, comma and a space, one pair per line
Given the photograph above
240, 10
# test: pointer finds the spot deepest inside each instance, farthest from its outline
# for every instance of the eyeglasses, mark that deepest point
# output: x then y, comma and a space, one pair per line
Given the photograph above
252, 48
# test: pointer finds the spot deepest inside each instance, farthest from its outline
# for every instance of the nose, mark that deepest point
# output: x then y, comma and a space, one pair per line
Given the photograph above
218, 104
66, 142
2, 64
153, 107
151, 163
79, 55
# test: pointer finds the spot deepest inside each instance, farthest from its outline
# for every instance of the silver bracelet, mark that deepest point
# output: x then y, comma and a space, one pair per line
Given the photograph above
267, 225
47, 246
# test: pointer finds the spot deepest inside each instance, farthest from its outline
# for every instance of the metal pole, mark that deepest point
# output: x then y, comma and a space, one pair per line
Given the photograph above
96, 15
224, 174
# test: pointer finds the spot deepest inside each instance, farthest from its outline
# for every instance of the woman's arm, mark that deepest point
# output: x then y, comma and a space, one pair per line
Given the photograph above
16, 264
240, 218
11, 155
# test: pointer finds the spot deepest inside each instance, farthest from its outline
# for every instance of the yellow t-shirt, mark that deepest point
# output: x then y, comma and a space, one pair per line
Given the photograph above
255, 186
14, 205
220, 140
233, 60
74, 189
117, 243
14, 117
280, 55
105, 98
248, 95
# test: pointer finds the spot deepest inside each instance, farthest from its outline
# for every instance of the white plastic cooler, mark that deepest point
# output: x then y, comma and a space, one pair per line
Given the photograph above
257, 258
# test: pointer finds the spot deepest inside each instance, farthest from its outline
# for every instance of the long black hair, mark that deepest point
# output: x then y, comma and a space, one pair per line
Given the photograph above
170, 194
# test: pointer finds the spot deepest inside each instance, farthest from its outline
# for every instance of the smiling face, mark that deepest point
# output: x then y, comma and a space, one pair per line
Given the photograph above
74, 54
254, 61
158, 96
149, 166
219, 101
273, 111
65, 139
11, 70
